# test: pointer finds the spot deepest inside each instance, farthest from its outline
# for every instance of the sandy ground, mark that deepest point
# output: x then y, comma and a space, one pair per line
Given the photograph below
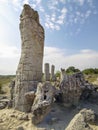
57, 119
10, 122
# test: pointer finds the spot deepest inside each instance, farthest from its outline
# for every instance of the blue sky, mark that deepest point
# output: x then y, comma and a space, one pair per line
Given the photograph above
71, 32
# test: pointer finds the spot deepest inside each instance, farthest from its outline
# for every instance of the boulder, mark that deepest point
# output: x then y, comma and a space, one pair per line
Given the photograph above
81, 120
20, 128
74, 87
70, 88
88, 115
23, 117
30, 97
43, 101
3, 103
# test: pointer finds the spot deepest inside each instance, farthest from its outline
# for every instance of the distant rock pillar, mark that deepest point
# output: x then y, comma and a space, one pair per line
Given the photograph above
29, 70
47, 74
53, 78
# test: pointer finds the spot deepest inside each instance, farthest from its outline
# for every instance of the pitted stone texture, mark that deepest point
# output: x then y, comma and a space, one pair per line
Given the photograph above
30, 96
12, 89
47, 74
70, 88
73, 87
53, 77
43, 101
81, 120
21, 100
29, 70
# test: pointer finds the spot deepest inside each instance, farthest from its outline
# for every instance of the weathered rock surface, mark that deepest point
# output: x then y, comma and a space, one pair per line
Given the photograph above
43, 101
2, 106
20, 128
74, 87
53, 77
12, 88
70, 88
81, 120
30, 97
41, 129
29, 71
47, 73
3, 103
23, 117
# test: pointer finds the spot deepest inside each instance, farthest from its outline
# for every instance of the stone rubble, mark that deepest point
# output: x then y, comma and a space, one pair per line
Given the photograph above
74, 87
43, 101
4, 103
81, 120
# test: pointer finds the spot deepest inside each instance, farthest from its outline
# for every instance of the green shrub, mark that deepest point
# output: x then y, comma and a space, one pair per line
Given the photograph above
72, 70
58, 74
90, 71
0, 88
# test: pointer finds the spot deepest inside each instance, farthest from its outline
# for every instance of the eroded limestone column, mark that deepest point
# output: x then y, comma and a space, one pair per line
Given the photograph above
29, 70
47, 74
53, 78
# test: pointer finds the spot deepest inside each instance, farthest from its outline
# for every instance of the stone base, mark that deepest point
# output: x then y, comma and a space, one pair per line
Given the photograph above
24, 99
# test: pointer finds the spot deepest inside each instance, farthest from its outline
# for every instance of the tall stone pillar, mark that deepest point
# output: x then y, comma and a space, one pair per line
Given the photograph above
29, 70
47, 74
53, 78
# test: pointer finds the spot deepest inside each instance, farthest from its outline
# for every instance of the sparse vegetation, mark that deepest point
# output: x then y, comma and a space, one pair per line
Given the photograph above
90, 71
91, 77
4, 81
72, 70
0, 88
58, 74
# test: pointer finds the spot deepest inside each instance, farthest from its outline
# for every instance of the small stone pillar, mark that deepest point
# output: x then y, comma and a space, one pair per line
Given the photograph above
53, 78
47, 74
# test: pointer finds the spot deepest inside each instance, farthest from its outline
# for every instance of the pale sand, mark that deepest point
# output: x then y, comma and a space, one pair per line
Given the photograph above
57, 119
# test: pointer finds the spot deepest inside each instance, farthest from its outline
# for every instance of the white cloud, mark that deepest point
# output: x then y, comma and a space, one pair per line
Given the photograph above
87, 13
90, 2
17, 4
78, 31
37, 1
75, 20
78, 13
8, 51
61, 18
53, 22
52, 5
33, 6
53, 17
50, 22
26, 2
9, 58
4, 1
83, 59
63, 1
41, 9
81, 2
64, 11
59, 15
